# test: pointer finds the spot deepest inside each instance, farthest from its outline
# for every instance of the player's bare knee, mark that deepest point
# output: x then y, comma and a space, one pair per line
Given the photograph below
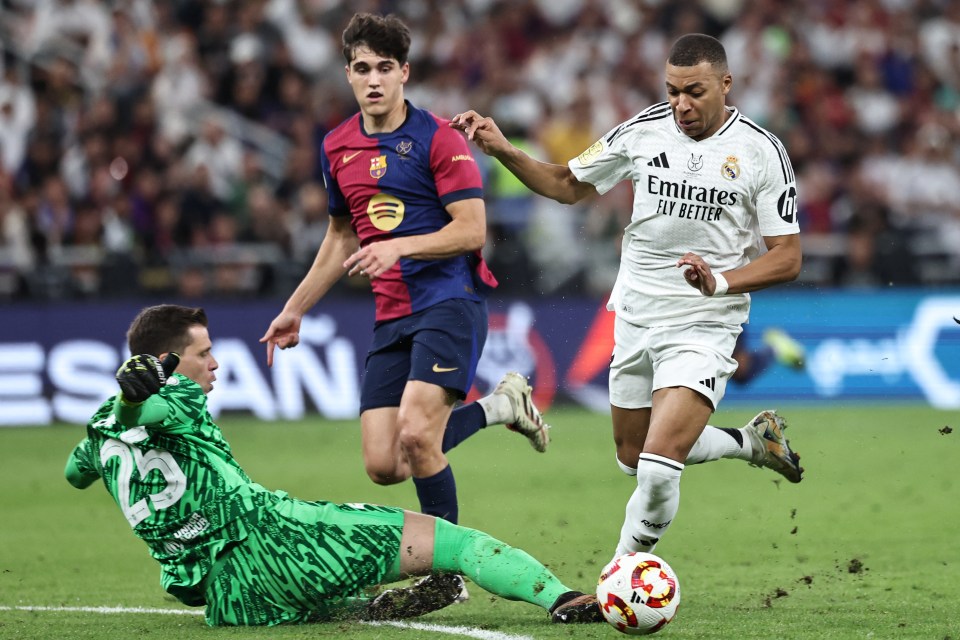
416, 443
384, 474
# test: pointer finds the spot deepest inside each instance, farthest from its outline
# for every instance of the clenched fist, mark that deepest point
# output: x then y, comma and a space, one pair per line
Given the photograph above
142, 376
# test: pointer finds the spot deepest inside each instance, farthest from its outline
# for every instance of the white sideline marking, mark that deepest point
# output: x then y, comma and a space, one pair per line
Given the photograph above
468, 632
175, 612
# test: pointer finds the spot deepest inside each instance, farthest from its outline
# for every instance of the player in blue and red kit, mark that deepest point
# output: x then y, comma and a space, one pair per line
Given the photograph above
407, 212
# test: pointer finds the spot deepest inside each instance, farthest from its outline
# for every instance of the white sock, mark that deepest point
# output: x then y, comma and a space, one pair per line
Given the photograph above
653, 505
497, 408
715, 443
627, 469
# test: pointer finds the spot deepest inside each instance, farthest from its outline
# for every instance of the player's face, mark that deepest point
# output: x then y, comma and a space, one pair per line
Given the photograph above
697, 95
197, 361
377, 82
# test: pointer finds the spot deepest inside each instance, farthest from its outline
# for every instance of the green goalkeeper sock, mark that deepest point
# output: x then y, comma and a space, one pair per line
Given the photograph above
494, 565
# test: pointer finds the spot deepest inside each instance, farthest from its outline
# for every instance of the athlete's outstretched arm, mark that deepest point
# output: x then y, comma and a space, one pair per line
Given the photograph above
465, 233
338, 244
781, 263
554, 181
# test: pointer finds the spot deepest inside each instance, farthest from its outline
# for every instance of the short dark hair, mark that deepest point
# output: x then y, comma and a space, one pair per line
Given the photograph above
386, 36
163, 328
694, 48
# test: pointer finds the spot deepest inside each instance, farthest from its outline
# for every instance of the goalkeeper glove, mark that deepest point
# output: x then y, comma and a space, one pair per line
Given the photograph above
142, 376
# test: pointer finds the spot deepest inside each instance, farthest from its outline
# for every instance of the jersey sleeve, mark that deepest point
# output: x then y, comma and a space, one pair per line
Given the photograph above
81, 471
604, 163
336, 202
150, 413
777, 193
455, 171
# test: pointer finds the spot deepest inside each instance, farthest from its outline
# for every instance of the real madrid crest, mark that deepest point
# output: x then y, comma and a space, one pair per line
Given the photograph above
730, 169
378, 167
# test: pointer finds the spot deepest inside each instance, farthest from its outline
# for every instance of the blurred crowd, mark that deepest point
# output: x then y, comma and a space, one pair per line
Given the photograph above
171, 147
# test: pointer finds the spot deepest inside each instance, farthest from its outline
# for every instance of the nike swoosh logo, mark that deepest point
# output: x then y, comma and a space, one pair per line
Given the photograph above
350, 157
438, 369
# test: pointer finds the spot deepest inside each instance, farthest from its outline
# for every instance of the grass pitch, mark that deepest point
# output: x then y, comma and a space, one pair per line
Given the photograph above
865, 547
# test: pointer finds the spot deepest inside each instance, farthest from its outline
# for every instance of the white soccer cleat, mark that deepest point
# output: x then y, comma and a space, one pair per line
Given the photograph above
526, 417
770, 448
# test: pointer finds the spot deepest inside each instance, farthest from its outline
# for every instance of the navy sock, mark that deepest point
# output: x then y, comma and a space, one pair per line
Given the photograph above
463, 423
438, 495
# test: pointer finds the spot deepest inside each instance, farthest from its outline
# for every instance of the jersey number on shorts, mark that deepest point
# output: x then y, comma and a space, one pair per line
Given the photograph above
152, 460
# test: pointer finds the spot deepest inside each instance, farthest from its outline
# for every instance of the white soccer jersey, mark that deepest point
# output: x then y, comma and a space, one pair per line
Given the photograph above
716, 197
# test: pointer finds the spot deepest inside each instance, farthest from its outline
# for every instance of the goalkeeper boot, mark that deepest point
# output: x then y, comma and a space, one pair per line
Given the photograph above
431, 593
526, 417
770, 448
786, 350
574, 607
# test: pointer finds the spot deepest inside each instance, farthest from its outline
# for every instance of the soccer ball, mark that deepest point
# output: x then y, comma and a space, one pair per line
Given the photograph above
638, 593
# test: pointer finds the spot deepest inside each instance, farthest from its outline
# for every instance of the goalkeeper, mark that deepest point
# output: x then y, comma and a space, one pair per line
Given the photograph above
259, 557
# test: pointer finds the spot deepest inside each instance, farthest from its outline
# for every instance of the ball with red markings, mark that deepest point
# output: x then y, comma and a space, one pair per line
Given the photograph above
638, 593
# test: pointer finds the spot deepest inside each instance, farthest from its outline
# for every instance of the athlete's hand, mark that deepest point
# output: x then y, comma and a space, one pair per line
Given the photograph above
284, 332
483, 131
142, 376
698, 274
374, 259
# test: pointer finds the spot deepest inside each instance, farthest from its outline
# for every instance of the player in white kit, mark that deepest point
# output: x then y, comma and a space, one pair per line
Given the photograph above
714, 217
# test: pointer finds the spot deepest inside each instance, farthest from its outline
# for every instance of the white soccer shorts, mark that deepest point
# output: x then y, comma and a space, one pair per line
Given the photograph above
697, 356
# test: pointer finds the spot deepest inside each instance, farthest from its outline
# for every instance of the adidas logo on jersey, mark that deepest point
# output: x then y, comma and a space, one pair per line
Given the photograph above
660, 161
710, 383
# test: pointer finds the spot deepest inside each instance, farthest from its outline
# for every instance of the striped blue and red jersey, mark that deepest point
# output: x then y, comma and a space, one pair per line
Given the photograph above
397, 184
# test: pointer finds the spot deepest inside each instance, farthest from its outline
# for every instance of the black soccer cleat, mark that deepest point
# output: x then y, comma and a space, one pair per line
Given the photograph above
574, 607
431, 593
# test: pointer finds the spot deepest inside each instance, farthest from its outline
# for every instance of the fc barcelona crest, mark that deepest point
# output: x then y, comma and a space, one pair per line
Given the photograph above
378, 167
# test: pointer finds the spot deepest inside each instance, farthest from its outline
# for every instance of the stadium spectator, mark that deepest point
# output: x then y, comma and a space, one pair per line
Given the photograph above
914, 191
214, 531
406, 212
220, 155
675, 331
243, 87
18, 114
312, 45
939, 35
55, 213
198, 205
178, 88
832, 80
307, 222
81, 28
16, 250
267, 222
132, 56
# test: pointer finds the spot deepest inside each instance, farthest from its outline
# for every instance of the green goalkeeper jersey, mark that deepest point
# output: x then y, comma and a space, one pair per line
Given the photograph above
172, 474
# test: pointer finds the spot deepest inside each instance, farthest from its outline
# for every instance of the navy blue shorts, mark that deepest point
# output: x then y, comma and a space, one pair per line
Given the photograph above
440, 345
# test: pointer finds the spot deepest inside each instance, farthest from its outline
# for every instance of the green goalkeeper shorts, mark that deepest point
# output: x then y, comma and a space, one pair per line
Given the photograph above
303, 561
